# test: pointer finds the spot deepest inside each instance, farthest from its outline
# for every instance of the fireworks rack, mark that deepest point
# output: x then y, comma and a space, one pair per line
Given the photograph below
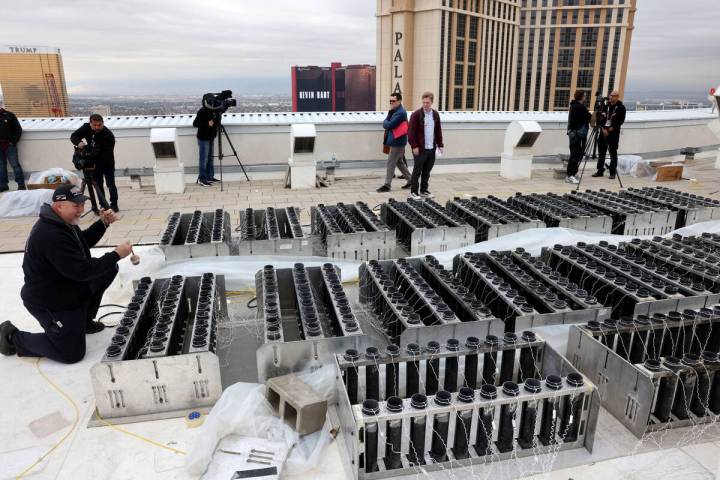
563, 211
492, 217
272, 231
197, 234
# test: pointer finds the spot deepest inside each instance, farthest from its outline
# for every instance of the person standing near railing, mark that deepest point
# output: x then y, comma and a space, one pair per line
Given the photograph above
10, 132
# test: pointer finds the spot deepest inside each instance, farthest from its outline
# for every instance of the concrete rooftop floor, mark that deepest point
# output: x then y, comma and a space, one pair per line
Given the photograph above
144, 214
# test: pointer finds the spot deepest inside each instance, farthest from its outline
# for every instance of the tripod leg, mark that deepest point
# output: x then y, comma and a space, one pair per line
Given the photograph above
235, 154
590, 146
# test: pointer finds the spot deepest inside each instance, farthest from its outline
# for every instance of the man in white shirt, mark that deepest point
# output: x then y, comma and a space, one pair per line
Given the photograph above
425, 137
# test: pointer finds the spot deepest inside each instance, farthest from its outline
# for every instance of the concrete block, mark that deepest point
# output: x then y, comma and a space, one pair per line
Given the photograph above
297, 403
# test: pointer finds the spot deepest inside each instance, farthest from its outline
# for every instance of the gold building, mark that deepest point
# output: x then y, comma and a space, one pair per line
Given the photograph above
502, 54
33, 81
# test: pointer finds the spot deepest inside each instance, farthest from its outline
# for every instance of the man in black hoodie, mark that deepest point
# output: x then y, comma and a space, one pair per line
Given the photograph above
64, 283
612, 118
577, 130
10, 132
207, 129
95, 142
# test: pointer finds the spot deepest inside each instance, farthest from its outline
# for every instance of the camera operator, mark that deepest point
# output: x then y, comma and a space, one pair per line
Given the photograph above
611, 119
577, 130
207, 129
64, 283
95, 149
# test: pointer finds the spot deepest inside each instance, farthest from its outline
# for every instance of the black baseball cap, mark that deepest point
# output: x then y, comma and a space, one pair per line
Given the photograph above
70, 193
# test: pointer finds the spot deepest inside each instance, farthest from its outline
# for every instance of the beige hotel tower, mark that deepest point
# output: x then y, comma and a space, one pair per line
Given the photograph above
502, 54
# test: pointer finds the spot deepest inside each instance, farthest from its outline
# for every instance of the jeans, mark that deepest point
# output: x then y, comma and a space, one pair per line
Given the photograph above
64, 336
206, 167
421, 170
107, 175
10, 155
577, 150
605, 144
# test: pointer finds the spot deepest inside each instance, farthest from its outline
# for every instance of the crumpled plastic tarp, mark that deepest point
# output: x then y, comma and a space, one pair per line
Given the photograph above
53, 175
243, 410
240, 271
23, 203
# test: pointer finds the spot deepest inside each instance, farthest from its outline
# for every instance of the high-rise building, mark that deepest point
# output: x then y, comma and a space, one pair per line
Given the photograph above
336, 88
502, 54
33, 81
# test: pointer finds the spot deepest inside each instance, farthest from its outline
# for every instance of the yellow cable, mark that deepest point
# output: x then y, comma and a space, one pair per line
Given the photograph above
67, 434
138, 436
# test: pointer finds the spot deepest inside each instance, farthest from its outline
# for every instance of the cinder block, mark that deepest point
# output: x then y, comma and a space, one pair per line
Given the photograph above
297, 403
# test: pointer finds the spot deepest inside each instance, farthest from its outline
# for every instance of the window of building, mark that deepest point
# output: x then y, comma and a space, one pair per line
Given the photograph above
562, 99
567, 37
585, 78
470, 98
461, 19
473, 27
472, 52
457, 98
589, 37
565, 58
460, 50
459, 73
563, 78
587, 58
471, 75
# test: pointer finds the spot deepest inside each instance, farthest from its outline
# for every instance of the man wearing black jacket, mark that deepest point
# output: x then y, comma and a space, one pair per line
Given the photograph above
64, 283
207, 129
577, 130
95, 142
10, 132
612, 118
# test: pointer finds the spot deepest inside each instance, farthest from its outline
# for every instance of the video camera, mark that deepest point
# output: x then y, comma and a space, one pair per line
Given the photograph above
81, 160
219, 102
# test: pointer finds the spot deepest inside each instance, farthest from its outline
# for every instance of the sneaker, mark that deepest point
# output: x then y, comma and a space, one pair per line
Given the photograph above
406, 186
414, 195
597, 174
115, 208
612, 176
7, 329
204, 183
427, 194
94, 327
572, 179
383, 189
214, 180
401, 177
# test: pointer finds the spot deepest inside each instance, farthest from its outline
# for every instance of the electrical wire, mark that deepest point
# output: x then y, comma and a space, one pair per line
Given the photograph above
77, 420
67, 434
254, 299
113, 305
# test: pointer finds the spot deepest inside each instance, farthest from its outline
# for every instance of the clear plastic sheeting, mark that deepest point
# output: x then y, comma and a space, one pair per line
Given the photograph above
535, 239
635, 166
23, 203
54, 175
243, 410
240, 271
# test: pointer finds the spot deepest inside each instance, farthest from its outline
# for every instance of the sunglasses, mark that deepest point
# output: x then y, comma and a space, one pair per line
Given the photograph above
393, 101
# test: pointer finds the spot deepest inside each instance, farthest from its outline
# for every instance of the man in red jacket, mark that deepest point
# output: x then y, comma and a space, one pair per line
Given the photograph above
424, 136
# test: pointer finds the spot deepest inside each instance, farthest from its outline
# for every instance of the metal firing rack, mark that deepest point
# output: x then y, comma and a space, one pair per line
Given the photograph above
272, 231
492, 217
197, 234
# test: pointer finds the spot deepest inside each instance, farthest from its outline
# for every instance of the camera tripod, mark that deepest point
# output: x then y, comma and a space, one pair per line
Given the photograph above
220, 155
94, 191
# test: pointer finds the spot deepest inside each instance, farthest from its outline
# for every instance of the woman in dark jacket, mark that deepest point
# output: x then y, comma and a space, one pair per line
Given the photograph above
577, 130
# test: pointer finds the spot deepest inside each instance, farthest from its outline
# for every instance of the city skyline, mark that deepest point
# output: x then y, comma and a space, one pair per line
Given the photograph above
148, 49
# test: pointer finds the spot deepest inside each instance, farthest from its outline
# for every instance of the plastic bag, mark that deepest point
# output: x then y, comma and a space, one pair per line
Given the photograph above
53, 175
24, 203
243, 410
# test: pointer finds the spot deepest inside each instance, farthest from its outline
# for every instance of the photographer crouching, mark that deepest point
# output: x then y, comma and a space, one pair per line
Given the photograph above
64, 283
95, 151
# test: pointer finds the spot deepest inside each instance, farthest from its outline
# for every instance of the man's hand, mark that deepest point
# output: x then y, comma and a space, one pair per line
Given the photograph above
124, 249
81, 144
441, 150
416, 151
211, 123
108, 216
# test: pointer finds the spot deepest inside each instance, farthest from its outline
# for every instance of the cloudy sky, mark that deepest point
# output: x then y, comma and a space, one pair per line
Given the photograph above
185, 46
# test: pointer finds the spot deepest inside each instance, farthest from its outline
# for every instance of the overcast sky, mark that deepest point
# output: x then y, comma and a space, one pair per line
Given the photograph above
186, 46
